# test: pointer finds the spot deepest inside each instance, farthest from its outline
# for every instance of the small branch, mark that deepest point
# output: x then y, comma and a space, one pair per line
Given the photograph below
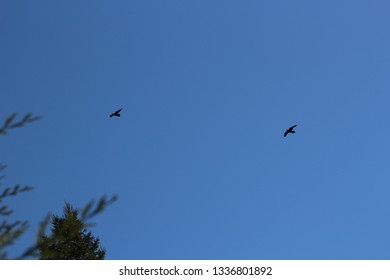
10, 124
87, 214
14, 191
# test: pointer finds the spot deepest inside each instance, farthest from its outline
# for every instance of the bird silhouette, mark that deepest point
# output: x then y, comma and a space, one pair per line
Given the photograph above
290, 130
116, 114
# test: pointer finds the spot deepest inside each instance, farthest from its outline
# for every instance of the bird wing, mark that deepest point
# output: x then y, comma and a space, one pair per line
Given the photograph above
285, 133
117, 112
292, 127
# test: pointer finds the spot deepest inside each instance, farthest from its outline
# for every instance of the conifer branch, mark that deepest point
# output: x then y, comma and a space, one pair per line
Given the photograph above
9, 123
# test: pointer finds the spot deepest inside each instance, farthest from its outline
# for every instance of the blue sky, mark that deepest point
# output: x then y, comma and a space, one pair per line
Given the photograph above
198, 158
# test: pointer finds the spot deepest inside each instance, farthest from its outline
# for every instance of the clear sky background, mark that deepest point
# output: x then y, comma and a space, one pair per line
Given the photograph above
198, 158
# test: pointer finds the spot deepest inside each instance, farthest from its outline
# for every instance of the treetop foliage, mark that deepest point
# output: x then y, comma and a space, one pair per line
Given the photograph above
69, 239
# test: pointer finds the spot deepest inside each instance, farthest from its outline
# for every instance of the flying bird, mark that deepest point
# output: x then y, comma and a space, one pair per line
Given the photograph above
116, 114
290, 130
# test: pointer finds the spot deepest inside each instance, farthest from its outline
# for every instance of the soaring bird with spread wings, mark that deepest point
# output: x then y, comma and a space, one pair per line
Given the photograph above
290, 130
116, 114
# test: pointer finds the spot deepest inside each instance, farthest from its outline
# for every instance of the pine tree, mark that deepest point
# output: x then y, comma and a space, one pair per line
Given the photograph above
69, 239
